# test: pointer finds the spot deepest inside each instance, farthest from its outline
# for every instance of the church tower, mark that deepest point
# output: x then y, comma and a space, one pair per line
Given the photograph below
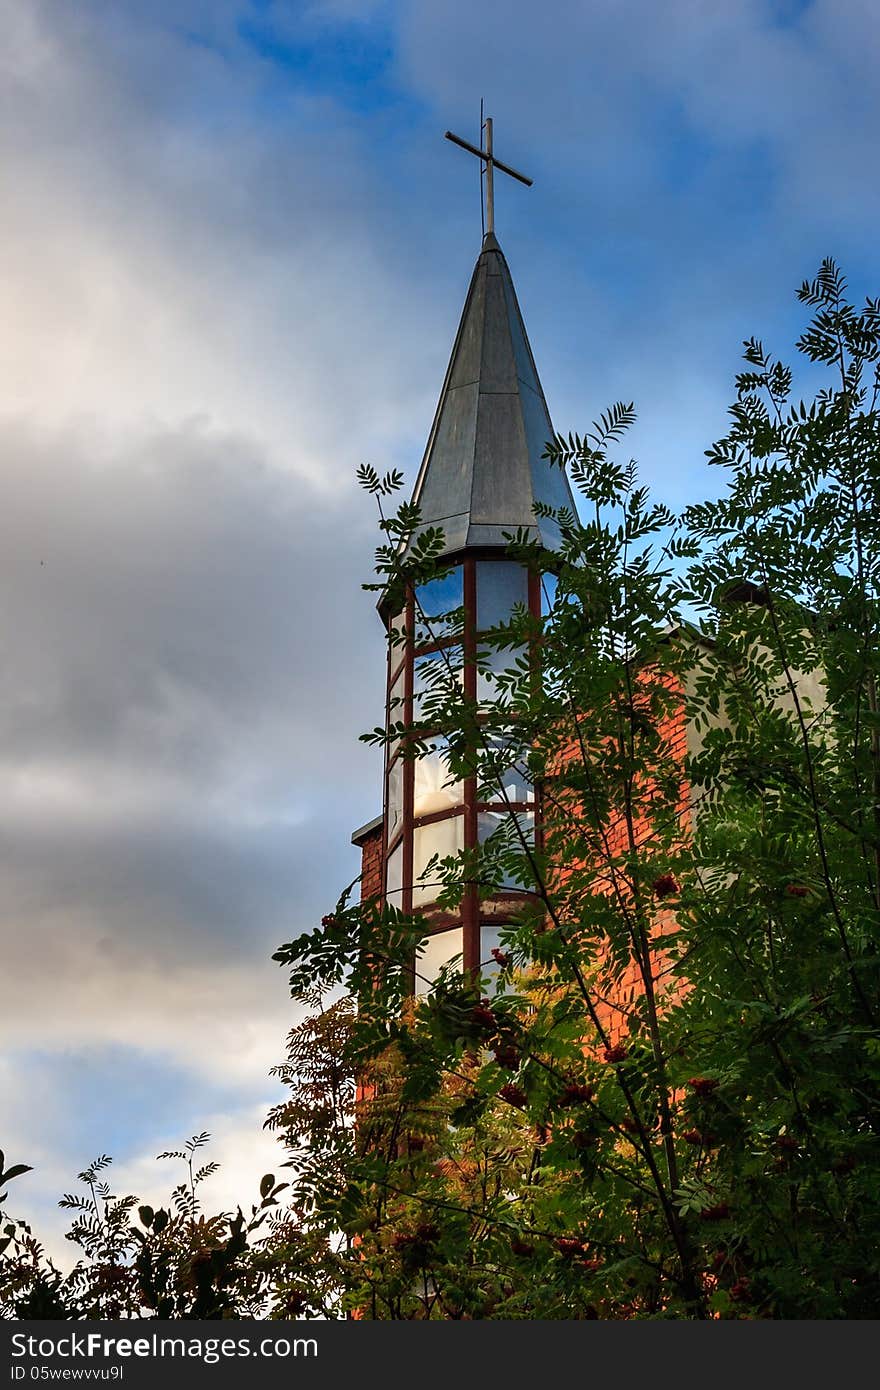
480, 478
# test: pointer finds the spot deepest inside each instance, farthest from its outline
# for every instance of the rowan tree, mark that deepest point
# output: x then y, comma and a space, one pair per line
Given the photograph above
661, 1099
660, 1095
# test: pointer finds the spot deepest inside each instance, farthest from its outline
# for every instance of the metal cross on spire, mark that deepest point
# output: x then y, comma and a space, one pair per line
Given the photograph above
490, 163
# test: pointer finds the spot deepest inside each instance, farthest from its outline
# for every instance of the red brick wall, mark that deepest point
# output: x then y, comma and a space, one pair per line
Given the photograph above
371, 864
613, 997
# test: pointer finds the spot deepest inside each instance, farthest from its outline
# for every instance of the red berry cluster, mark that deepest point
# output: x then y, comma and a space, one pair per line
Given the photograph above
719, 1212
521, 1248
483, 1016
506, 1054
514, 1096
501, 958
569, 1245
703, 1085
576, 1251
577, 1094
665, 886
796, 890
420, 1238
615, 1054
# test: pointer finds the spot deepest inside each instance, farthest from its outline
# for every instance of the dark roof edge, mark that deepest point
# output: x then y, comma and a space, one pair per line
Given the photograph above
687, 630
358, 836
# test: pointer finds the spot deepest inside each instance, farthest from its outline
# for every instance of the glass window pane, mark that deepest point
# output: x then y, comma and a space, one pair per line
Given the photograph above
394, 877
433, 676
510, 841
437, 951
500, 585
434, 602
396, 644
490, 937
395, 797
492, 664
441, 837
434, 788
396, 709
395, 700
490, 821
549, 585
504, 775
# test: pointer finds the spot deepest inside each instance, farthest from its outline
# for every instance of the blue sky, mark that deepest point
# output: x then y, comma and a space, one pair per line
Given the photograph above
234, 250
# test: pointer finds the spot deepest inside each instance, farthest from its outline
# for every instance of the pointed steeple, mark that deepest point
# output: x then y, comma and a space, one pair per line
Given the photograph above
482, 471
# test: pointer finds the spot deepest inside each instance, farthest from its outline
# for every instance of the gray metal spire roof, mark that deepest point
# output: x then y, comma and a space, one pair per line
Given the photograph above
482, 471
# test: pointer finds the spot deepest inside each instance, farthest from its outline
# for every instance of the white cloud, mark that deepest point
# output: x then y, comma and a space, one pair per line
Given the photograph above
162, 265
190, 373
223, 289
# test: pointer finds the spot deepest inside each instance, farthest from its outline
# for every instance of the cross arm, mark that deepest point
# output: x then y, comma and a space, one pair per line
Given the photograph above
482, 154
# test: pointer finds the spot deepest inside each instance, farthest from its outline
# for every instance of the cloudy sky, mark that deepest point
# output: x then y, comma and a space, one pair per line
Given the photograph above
233, 251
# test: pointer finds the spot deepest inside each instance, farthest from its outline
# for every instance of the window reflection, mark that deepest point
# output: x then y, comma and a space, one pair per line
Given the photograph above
503, 773
490, 939
438, 950
394, 877
511, 829
395, 798
549, 585
441, 837
435, 602
396, 639
501, 584
435, 789
434, 677
396, 708
491, 665
395, 700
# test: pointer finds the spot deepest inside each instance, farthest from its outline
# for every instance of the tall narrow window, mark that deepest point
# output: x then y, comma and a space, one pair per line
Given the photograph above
435, 789
395, 798
394, 878
438, 607
442, 838
431, 815
501, 585
440, 948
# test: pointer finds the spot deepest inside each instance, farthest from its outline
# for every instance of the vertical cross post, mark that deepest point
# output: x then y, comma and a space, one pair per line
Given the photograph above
490, 180
490, 164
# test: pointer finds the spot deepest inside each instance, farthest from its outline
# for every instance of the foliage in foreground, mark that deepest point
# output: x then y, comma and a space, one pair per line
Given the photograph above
662, 1099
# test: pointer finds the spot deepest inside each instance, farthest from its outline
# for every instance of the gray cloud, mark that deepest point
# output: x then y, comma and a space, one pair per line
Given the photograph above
175, 603
223, 288
187, 237
182, 694
189, 377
